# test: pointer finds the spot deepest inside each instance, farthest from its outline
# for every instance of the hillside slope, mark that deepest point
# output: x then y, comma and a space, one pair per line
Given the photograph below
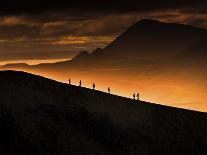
41, 116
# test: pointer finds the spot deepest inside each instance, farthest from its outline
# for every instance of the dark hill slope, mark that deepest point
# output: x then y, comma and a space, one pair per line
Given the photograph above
39, 116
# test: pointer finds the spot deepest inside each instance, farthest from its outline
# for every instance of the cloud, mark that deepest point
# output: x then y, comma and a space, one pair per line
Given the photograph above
36, 6
66, 34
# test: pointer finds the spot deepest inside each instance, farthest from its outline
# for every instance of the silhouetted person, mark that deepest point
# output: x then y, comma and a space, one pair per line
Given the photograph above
138, 96
134, 96
94, 86
69, 81
80, 83
109, 90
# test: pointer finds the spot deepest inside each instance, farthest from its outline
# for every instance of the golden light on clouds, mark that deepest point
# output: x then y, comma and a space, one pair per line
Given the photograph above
84, 40
12, 20
32, 62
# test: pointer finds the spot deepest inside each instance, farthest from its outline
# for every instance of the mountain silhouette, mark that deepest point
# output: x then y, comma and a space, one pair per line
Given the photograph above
16, 65
42, 116
151, 39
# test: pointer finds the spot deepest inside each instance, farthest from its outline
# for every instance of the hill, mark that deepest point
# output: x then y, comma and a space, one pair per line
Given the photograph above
42, 116
17, 65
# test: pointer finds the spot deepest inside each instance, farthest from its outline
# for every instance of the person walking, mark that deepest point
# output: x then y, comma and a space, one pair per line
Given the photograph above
94, 86
80, 83
69, 81
109, 90
134, 96
138, 96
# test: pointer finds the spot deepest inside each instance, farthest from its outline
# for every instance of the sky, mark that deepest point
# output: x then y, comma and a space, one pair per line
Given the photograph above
40, 30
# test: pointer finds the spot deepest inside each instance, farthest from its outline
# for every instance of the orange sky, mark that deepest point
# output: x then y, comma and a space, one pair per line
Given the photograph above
32, 62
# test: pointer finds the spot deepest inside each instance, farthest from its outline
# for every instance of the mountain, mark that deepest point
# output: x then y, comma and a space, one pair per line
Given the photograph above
17, 65
42, 116
150, 39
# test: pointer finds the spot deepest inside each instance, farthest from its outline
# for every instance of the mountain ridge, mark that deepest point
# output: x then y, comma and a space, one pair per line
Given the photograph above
162, 37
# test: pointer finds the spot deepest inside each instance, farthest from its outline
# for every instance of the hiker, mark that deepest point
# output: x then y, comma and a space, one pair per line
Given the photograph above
109, 90
138, 96
69, 81
93, 86
80, 83
134, 96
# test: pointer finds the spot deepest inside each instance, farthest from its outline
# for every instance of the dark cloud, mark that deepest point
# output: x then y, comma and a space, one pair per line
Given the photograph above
37, 6
19, 31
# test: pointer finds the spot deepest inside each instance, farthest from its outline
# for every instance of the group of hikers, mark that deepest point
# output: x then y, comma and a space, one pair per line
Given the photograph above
135, 95
109, 89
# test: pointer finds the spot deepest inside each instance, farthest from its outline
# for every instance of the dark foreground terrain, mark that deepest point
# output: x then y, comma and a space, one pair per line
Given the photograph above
39, 116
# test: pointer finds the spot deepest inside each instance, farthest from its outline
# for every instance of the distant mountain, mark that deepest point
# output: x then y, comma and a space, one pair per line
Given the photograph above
150, 39
41, 116
16, 65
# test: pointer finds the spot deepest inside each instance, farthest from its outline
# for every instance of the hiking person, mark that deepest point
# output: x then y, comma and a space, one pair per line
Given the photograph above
134, 96
69, 81
109, 90
80, 83
94, 86
138, 96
